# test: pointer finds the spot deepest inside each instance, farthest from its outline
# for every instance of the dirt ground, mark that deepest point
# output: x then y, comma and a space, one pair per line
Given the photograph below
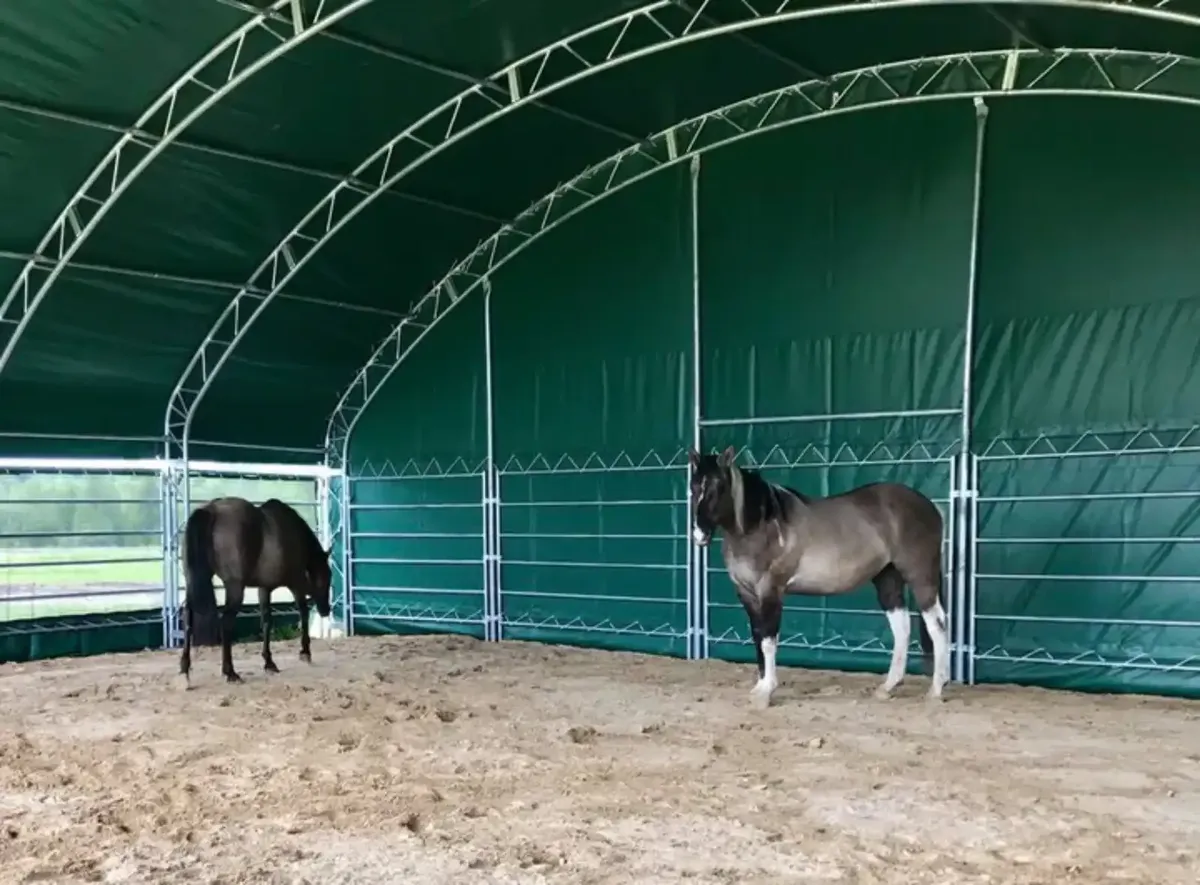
444, 760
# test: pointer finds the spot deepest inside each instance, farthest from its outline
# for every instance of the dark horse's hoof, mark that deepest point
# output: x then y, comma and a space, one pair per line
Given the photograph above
306, 656
232, 677
270, 667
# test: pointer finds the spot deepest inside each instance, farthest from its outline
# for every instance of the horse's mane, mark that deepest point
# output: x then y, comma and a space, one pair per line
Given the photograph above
312, 544
757, 501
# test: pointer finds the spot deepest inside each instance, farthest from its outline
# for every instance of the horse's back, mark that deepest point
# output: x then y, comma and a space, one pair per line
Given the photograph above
237, 536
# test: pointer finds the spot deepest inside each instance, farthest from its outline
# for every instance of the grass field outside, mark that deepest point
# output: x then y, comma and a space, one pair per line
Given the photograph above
45, 582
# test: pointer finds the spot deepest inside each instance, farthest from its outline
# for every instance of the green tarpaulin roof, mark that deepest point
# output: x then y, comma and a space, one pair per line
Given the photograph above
100, 348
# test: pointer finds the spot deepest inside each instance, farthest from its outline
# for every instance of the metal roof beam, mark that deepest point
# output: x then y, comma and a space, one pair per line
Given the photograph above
249, 48
433, 68
254, 159
1019, 30
805, 71
601, 47
973, 75
87, 267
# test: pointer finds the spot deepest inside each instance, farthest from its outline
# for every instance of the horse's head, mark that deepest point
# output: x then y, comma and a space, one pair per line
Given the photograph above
320, 577
715, 487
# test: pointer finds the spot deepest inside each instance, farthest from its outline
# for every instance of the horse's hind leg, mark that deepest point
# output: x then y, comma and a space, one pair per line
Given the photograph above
927, 593
234, 593
889, 586
264, 620
185, 657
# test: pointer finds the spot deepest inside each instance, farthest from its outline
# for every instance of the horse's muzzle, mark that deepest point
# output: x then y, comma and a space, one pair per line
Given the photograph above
700, 538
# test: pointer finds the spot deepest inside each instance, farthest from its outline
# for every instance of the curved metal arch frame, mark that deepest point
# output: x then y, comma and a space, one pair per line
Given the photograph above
233, 60
973, 75
473, 109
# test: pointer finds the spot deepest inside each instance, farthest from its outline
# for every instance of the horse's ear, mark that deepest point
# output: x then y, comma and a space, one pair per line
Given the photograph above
727, 456
694, 458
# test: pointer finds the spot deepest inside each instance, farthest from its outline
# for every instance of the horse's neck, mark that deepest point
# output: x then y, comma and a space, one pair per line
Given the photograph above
762, 501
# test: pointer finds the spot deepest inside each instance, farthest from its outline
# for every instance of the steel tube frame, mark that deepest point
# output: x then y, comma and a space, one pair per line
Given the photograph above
493, 604
71, 556
475, 108
153, 132
963, 647
697, 574
1155, 447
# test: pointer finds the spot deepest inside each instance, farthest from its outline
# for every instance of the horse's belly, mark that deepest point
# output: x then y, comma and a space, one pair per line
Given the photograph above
819, 572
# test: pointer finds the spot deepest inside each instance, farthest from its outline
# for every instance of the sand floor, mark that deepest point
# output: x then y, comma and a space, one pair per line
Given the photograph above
444, 760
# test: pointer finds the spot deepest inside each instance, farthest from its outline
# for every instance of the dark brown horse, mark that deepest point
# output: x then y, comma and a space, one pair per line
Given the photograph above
247, 546
778, 541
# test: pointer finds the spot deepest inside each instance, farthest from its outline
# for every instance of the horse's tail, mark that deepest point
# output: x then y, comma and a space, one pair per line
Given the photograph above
200, 602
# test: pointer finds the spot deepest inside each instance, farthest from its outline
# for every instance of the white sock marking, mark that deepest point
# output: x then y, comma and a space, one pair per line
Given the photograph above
901, 626
769, 681
769, 644
935, 619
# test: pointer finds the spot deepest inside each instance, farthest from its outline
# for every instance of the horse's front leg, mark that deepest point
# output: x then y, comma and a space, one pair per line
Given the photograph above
770, 616
749, 600
302, 609
264, 620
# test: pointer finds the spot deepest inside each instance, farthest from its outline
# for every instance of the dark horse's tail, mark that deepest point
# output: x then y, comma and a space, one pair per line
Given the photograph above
201, 601
926, 639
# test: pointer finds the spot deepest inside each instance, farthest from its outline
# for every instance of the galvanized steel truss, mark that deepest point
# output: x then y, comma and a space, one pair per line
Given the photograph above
633, 35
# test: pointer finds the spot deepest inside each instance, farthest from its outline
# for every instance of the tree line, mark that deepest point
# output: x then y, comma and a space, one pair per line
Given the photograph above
76, 510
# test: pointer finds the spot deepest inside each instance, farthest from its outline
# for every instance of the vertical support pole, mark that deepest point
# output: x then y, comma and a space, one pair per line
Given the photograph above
185, 510
972, 590
964, 622
347, 544
951, 565
317, 625
492, 603
321, 488
170, 548
697, 557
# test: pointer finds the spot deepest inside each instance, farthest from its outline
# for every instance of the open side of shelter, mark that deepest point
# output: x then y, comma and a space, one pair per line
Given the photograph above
949, 279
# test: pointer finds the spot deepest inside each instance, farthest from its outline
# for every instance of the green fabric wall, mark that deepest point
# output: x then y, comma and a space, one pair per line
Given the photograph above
592, 334
1089, 309
430, 418
834, 271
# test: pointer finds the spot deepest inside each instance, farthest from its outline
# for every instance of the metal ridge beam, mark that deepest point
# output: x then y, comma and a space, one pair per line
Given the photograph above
609, 44
977, 75
248, 49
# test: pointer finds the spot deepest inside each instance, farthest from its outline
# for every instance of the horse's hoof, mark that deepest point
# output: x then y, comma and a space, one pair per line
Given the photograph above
183, 682
760, 697
934, 700
306, 657
270, 667
883, 693
232, 677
